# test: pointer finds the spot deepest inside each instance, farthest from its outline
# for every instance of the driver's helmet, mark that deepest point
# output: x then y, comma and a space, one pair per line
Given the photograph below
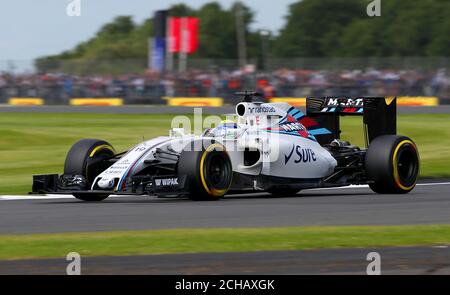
226, 129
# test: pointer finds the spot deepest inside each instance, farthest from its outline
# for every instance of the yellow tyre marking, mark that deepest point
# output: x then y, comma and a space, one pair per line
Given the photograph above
394, 163
212, 192
100, 147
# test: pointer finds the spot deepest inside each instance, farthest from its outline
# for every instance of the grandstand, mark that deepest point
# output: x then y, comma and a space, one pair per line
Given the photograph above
151, 87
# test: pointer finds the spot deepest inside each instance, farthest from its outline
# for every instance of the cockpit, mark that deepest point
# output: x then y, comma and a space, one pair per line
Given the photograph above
226, 130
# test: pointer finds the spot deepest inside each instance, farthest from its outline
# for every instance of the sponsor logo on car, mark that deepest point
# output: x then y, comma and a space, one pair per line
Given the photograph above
301, 155
296, 126
345, 102
262, 110
166, 182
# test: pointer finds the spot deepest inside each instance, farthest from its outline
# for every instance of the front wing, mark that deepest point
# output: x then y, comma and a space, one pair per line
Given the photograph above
136, 185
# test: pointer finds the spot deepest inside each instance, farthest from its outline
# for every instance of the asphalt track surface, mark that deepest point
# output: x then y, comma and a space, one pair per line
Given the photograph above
407, 261
428, 204
444, 109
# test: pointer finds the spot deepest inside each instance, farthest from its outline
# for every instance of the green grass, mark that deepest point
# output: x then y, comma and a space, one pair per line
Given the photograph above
37, 143
219, 240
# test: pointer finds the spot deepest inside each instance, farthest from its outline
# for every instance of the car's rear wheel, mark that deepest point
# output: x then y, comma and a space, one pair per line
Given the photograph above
209, 171
87, 158
392, 165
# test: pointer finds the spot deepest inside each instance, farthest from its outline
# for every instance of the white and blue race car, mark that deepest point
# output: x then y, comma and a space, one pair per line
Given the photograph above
271, 147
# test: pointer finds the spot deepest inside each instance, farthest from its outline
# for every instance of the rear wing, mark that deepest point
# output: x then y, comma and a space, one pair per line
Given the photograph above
379, 115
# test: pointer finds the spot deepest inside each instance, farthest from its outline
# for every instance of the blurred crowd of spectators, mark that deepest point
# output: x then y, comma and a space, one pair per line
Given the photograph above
151, 87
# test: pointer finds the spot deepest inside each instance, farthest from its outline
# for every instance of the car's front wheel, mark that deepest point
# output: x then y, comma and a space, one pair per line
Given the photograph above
87, 158
208, 170
91, 197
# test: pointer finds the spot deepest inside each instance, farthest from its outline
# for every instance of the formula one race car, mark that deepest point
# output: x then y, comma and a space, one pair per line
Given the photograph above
268, 147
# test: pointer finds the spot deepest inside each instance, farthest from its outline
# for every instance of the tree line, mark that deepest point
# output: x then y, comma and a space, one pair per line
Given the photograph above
313, 28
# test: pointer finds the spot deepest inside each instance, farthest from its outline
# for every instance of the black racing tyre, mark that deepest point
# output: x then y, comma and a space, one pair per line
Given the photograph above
392, 164
208, 170
87, 158
91, 197
283, 192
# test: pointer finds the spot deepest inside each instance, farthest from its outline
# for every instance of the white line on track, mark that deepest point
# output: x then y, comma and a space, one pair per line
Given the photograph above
43, 197
56, 197
433, 184
367, 186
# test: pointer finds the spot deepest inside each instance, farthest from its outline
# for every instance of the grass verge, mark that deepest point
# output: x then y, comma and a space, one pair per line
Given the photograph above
38, 143
219, 240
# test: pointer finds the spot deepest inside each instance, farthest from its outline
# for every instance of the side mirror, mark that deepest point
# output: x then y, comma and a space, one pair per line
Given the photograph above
177, 132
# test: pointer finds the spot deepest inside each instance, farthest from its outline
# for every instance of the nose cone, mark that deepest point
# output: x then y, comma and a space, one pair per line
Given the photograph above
106, 183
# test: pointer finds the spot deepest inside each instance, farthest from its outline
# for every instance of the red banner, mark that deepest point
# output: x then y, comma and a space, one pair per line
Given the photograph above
183, 34
174, 34
192, 31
